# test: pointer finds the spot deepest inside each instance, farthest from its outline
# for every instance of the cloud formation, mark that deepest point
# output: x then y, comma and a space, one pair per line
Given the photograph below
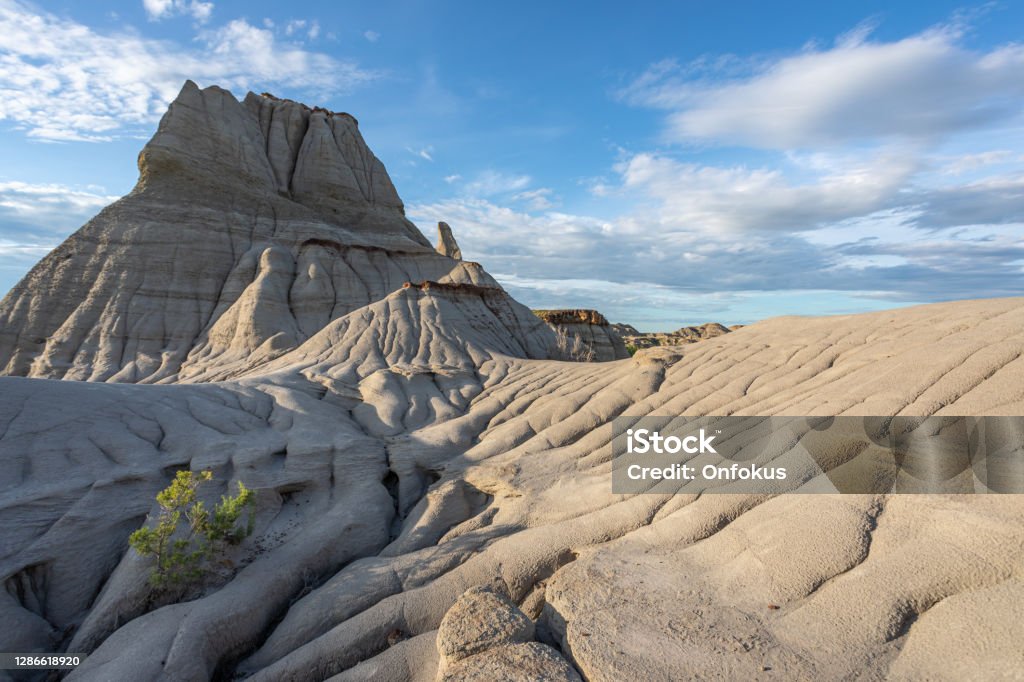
61, 80
860, 173
922, 87
540, 199
34, 218
491, 182
632, 265
37, 214
162, 9
736, 199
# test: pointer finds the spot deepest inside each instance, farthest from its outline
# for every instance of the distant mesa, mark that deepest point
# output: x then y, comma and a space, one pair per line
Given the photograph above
572, 316
684, 335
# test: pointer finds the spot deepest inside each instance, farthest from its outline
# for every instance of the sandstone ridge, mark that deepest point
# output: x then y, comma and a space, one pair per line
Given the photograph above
681, 336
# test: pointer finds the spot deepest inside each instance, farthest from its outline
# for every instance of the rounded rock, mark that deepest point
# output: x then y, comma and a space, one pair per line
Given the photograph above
479, 620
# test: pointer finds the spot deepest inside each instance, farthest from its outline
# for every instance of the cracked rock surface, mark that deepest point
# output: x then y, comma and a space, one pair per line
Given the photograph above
481, 619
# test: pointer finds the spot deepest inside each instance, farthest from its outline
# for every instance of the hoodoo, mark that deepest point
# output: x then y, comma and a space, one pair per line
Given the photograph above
446, 244
253, 225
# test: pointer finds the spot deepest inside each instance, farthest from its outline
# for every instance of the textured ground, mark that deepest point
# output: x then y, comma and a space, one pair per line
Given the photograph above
259, 306
378, 508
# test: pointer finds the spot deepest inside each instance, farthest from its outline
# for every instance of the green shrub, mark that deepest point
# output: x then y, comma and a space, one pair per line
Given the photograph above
186, 537
631, 349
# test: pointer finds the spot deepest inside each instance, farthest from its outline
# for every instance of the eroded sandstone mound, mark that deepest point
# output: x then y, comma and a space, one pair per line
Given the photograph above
252, 226
371, 526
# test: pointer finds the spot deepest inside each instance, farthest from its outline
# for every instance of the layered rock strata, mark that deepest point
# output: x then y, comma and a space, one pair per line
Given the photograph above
585, 335
253, 225
684, 335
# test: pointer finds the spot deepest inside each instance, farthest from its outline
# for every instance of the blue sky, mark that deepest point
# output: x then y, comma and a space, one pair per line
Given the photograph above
672, 163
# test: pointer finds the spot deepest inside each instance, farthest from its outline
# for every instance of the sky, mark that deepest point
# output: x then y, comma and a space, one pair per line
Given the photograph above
669, 163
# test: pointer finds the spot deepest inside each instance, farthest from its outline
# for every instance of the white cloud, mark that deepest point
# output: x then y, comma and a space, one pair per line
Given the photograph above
15, 250
35, 217
371, 36
426, 153
162, 9
870, 260
450, 179
484, 228
921, 87
42, 203
61, 80
862, 129
966, 163
734, 199
537, 199
296, 26
157, 9
491, 182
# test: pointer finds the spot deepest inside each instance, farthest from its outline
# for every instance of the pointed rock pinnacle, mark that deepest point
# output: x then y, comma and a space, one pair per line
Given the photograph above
446, 244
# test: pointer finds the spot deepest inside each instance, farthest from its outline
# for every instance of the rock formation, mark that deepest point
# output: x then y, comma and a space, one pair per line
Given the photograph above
584, 335
433, 491
253, 225
681, 336
446, 244
485, 637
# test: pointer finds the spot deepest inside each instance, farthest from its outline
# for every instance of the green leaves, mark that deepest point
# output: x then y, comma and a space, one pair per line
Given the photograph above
186, 537
225, 515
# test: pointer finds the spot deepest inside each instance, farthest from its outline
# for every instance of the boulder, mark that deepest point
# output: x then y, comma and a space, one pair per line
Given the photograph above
481, 619
529, 662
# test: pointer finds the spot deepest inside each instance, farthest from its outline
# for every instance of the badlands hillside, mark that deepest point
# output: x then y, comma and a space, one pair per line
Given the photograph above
433, 482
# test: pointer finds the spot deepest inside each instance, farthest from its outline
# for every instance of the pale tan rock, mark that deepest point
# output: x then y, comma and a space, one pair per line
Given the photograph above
408, 660
446, 244
164, 284
972, 635
408, 443
649, 586
584, 335
529, 662
481, 619
681, 336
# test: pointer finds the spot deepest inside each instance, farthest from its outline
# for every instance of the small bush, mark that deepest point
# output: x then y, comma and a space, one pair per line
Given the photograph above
187, 536
631, 349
